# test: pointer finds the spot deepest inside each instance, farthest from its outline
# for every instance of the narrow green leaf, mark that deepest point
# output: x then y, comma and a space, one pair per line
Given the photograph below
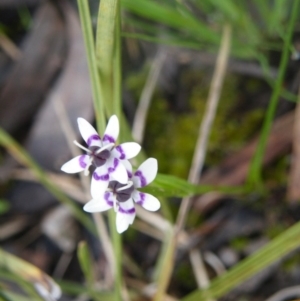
75, 289
164, 14
273, 251
108, 49
105, 50
87, 31
85, 262
254, 174
167, 186
6, 295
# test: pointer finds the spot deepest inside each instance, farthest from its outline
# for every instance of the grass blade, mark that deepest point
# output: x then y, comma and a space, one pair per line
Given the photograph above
24, 158
255, 169
273, 251
86, 24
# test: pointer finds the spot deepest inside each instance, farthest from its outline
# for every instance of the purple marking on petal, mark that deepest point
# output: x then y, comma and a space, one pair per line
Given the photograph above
108, 201
91, 138
127, 211
121, 151
139, 174
129, 174
112, 169
142, 199
100, 177
81, 161
109, 139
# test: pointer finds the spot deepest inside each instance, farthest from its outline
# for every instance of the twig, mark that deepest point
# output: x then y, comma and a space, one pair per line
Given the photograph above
212, 103
285, 294
214, 261
199, 156
201, 146
139, 122
10, 48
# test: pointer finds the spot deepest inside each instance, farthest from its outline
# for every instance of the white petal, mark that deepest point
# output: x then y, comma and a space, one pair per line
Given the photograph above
112, 130
121, 222
125, 215
116, 170
88, 133
76, 164
128, 210
99, 182
146, 173
148, 201
128, 167
126, 150
101, 204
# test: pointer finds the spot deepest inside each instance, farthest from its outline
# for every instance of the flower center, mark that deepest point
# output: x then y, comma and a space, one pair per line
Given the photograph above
99, 155
121, 191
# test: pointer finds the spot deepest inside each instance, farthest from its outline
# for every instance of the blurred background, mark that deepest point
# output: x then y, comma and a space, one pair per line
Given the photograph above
169, 52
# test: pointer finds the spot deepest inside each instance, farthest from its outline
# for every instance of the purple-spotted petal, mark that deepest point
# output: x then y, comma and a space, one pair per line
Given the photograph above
88, 133
146, 200
112, 130
125, 215
76, 164
116, 170
101, 204
126, 150
128, 167
146, 173
99, 182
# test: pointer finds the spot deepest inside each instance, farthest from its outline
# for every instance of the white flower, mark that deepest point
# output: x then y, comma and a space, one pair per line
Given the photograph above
103, 154
122, 197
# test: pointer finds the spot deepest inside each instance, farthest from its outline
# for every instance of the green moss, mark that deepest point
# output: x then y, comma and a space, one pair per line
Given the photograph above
275, 230
239, 243
289, 264
171, 136
185, 277
275, 175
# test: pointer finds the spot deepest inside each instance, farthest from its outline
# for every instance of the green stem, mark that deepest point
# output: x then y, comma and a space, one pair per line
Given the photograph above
109, 62
117, 71
255, 170
87, 31
105, 50
117, 244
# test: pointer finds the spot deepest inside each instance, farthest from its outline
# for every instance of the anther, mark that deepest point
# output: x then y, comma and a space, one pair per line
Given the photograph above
129, 184
82, 147
104, 148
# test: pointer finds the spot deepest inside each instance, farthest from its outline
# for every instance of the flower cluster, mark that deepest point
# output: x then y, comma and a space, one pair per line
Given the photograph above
113, 184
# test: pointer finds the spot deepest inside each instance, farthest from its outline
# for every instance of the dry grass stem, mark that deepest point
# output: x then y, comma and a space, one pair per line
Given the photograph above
10, 48
69, 186
214, 261
201, 146
209, 115
286, 294
198, 268
139, 122
147, 290
153, 219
